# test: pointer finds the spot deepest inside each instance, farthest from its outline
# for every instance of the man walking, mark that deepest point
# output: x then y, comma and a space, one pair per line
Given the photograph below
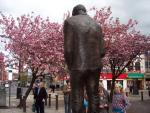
66, 91
83, 50
40, 98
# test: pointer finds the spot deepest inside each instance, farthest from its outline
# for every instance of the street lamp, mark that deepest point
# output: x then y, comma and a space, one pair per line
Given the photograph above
10, 79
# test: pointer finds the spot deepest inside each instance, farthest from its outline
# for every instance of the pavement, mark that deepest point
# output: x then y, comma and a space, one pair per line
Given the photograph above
48, 109
137, 106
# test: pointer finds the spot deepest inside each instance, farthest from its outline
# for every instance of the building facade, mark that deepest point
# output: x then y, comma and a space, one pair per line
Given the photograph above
147, 69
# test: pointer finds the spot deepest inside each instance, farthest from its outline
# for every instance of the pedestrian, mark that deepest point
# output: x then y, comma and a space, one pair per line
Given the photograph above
104, 99
131, 88
53, 88
35, 90
85, 103
83, 51
127, 91
67, 97
35, 93
40, 98
120, 101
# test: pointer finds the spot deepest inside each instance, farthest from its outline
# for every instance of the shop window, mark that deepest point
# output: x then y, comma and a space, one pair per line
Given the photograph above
109, 82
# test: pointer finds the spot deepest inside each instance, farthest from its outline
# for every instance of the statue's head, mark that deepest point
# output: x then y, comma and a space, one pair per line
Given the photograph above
79, 9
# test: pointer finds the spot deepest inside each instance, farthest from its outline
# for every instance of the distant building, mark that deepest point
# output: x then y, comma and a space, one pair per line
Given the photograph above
147, 69
132, 77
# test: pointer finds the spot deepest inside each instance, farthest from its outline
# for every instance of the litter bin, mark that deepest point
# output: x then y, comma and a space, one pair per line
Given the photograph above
2, 96
19, 93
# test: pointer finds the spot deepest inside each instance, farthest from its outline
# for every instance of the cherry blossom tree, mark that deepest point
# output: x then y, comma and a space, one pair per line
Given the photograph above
123, 42
37, 43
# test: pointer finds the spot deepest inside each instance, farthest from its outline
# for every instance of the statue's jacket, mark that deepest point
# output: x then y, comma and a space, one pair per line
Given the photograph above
83, 43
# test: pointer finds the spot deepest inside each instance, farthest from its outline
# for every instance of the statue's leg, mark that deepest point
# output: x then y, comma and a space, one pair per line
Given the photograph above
92, 84
77, 91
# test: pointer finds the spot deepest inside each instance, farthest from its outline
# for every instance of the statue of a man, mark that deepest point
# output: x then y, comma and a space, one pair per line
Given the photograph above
83, 50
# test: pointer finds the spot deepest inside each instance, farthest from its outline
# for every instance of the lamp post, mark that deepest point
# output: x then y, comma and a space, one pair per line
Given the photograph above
10, 79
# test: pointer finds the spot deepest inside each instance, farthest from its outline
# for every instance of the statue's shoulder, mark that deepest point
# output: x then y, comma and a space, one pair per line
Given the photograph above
71, 19
80, 20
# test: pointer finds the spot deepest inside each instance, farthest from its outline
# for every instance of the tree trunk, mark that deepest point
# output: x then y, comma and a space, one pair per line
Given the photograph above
23, 100
24, 103
19, 84
112, 89
20, 69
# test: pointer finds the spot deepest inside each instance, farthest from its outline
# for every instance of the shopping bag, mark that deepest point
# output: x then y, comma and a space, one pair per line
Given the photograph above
33, 107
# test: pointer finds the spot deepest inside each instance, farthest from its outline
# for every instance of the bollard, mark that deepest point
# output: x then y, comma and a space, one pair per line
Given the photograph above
49, 100
56, 101
9, 92
142, 95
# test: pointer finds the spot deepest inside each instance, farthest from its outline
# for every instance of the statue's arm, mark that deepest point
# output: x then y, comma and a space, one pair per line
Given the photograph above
102, 43
68, 43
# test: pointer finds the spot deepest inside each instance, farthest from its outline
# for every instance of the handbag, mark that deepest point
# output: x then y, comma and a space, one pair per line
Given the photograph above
33, 107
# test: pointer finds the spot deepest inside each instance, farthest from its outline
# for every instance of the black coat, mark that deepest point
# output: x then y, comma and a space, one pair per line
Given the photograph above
35, 92
83, 43
42, 95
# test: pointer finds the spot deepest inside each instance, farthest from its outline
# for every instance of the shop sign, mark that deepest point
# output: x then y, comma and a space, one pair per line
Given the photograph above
109, 76
135, 75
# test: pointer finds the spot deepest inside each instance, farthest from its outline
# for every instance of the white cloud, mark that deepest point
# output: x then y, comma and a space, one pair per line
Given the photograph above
124, 9
52, 8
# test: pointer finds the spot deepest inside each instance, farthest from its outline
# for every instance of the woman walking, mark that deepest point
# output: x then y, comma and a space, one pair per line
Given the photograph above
120, 101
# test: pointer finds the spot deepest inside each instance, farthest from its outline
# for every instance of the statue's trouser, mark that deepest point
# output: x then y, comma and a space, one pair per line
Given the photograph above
90, 80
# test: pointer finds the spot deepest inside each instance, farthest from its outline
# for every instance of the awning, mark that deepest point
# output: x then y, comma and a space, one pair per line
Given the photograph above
135, 75
109, 76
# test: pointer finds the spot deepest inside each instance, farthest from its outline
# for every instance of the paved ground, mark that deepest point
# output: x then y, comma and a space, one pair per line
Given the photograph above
137, 106
52, 109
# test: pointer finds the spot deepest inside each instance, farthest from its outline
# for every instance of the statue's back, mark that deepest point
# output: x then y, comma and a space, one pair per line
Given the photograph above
86, 35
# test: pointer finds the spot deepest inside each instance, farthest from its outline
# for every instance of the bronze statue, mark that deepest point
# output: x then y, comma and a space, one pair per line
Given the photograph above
83, 50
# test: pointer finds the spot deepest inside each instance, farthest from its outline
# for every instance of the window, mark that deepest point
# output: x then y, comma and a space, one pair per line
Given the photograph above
147, 66
130, 67
137, 66
147, 61
147, 53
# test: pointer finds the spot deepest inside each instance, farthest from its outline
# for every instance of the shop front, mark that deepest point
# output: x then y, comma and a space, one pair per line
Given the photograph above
135, 82
106, 79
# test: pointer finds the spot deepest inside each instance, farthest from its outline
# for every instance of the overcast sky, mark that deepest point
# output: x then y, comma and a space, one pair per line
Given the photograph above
55, 9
